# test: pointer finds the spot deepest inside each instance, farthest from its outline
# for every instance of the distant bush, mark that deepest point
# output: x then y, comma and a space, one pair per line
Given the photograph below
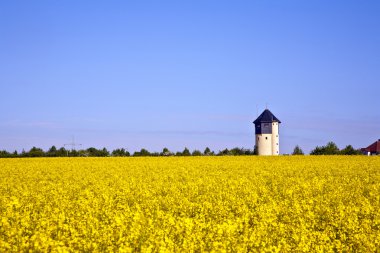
332, 149
297, 151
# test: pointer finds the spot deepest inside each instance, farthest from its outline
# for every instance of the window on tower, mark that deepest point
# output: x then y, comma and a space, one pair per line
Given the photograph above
266, 138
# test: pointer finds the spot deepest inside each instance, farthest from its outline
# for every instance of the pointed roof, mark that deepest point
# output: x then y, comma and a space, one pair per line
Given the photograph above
374, 147
266, 117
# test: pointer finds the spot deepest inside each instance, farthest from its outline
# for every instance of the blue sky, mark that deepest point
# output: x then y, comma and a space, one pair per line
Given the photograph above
154, 74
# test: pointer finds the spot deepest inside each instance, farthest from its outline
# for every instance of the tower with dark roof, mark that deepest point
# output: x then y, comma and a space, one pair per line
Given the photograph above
267, 134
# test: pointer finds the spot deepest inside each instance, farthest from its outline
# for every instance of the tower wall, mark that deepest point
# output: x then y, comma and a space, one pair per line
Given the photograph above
275, 139
264, 144
267, 137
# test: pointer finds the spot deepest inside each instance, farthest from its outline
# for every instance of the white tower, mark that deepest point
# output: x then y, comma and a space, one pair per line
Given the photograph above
267, 134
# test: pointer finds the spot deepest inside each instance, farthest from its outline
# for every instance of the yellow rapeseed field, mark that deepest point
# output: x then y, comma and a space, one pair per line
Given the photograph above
190, 204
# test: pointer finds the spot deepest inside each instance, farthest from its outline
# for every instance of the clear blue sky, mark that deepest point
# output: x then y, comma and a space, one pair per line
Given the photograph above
150, 74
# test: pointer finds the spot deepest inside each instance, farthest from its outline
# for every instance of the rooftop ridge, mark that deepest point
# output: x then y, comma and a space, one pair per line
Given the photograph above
266, 117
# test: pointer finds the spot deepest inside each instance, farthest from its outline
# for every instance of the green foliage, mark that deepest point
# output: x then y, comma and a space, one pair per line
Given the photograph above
329, 149
349, 150
143, 152
35, 152
52, 152
186, 152
297, 151
332, 149
224, 152
166, 152
4, 154
120, 152
61, 152
196, 153
94, 152
255, 151
236, 152
208, 151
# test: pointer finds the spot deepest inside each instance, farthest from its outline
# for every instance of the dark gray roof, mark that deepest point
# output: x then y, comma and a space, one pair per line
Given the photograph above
266, 117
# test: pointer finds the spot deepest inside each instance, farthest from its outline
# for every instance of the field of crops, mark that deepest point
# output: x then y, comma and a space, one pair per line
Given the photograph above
234, 204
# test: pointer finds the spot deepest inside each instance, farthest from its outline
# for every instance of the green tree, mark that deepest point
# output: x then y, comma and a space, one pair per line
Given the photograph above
224, 152
349, 150
82, 153
317, 151
52, 152
97, 152
92, 151
297, 151
4, 154
61, 152
23, 153
255, 151
120, 152
166, 152
207, 151
330, 149
142, 152
239, 151
186, 152
196, 153
104, 152
74, 153
36, 152
249, 152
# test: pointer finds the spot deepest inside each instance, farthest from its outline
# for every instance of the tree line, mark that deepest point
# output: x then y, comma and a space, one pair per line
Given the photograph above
329, 149
94, 152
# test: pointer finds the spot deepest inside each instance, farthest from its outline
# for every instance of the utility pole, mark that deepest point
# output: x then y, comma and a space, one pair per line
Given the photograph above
73, 144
